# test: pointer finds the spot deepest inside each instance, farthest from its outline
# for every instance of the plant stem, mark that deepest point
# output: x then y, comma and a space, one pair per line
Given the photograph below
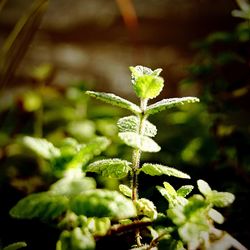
136, 165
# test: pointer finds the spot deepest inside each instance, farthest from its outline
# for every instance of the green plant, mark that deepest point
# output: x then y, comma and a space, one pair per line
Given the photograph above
86, 214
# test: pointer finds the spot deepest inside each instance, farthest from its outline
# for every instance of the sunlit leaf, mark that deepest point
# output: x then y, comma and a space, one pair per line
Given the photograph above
157, 169
216, 216
185, 190
141, 142
113, 168
15, 246
103, 203
98, 226
43, 206
220, 199
125, 190
203, 187
132, 124
148, 86
146, 207
140, 70
115, 100
77, 239
41, 147
169, 103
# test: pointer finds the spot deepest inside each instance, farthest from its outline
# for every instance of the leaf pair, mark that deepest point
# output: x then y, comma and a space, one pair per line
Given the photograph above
151, 109
117, 168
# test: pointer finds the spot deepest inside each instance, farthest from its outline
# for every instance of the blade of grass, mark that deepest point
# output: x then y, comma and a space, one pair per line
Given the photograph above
18, 41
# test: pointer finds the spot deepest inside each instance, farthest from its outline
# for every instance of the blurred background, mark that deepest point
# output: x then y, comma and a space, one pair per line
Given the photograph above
51, 51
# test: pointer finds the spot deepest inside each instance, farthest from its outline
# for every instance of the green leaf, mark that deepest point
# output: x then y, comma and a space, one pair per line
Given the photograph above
216, 216
103, 203
146, 207
125, 190
113, 168
41, 147
141, 142
139, 70
115, 100
148, 86
15, 246
220, 199
157, 169
168, 192
185, 190
76, 240
132, 124
98, 226
44, 206
203, 187
70, 186
88, 151
169, 103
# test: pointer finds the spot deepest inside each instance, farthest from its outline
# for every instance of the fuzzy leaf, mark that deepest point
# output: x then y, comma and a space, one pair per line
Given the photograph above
203, 187
131, 124
103, 203
146, 207
141, 142
71, 186
15, 246
184, 190
44, 206
139, 70
168, 192
216, 216
157, 169
115, 100
113, 168
98, 226
41, 147
148, 86
87, 152
76, 239
125, 190
169, 103
220, 199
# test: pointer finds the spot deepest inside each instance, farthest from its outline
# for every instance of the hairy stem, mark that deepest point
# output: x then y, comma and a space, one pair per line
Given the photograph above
136, 165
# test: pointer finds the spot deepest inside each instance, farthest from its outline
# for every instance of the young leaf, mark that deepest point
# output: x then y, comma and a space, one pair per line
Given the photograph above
103, 203
220, 199
98, 226
15, 246
131, 124
168, 192
184, 190
157, 169
141, 142
146, 207
125, 190
203, 187
148, 86
216, 216
88, 151
115, 100
139, 70
113, 168
41, 147
169, 103
44, 206
76, 240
